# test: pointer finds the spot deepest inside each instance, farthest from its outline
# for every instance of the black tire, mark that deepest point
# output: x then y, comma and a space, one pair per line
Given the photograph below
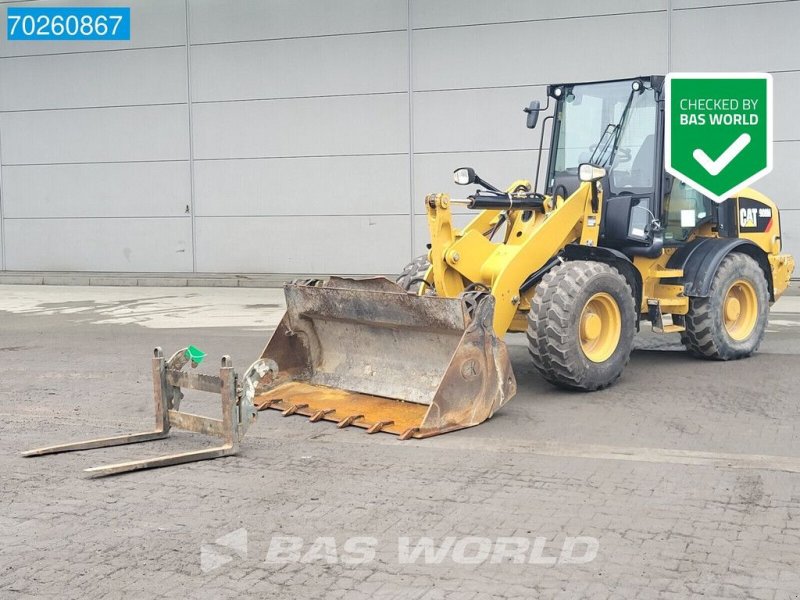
706, 335
413, 274
554, 325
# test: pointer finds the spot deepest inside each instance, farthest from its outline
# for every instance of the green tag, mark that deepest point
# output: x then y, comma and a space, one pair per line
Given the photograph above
194, 354
718, 136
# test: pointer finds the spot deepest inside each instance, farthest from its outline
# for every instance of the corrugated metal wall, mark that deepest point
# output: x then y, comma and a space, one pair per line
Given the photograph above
301, 135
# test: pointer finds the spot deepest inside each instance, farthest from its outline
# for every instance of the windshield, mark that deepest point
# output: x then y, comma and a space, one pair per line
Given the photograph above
603, 123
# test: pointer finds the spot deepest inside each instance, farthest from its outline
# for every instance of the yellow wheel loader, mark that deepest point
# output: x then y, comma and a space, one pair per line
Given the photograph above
610, 241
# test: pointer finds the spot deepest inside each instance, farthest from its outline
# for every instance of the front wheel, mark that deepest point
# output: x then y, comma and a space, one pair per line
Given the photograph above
730, 323
581, 325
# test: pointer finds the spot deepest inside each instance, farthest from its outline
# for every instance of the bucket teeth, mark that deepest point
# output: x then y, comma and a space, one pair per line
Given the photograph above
379, 425
320, 414
347, 421
293, 409
409, 433
268, 403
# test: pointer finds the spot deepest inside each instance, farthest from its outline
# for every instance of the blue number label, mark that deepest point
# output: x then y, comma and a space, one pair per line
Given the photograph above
69, 23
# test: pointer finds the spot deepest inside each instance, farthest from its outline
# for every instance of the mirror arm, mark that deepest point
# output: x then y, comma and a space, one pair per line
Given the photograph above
540, 109
487, 185
546, 106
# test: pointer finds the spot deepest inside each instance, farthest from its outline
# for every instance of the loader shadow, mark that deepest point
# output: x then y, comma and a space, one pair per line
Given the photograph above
538, 404
659, 362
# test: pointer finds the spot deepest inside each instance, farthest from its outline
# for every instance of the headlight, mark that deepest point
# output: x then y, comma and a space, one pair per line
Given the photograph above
464, 176
589, 172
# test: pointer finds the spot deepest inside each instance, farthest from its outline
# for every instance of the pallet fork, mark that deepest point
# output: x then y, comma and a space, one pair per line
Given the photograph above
169, 378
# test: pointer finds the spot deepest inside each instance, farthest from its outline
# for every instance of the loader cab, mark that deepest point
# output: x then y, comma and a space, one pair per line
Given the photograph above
617, 125
686, 210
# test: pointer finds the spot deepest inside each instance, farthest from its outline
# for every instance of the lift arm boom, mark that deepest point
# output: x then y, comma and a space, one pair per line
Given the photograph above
463, 257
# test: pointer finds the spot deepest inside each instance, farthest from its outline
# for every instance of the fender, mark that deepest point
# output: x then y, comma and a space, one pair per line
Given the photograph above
701, 258
616, 259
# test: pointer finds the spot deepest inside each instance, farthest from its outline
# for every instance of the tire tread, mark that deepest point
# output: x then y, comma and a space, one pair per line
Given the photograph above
703, 337
552, 309
413, 272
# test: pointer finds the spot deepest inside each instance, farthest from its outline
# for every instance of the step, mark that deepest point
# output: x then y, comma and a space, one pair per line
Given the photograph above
669, 302
670, 329
666, 273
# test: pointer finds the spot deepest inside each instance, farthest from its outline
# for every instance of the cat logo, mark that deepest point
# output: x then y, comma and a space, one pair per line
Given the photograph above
747, 217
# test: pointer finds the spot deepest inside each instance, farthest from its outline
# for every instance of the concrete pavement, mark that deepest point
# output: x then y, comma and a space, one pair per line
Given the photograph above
682, 480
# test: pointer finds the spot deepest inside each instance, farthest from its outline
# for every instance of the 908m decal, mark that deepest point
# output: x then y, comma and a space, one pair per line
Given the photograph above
754, 216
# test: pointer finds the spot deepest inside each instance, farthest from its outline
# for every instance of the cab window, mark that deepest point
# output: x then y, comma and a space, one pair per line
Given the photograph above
634, 162
685, 209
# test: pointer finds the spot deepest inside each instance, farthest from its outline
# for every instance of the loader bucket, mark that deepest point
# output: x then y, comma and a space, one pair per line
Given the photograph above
366, 353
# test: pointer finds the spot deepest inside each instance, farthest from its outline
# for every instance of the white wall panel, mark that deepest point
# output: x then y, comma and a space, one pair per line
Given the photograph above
141, 189
785, 89
759, 37
448, 13
336, 185
490, 119
146, 245
689, 4
147, 76
346, 245
540, 52
301, 121
153, 23
223, 21
95, 135
790, 232
353, 64
302, 127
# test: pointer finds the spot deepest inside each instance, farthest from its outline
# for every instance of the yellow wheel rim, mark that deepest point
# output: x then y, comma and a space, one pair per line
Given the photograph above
740, 310
600, 327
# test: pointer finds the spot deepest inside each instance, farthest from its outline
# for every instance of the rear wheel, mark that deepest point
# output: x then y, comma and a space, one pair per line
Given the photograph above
581, 325
413, 275
730, 323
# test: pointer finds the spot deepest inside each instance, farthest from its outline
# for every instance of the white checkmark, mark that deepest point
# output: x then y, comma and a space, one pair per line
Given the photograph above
714, 167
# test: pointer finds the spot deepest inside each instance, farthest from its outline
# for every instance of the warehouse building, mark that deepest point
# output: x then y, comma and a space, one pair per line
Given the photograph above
286, 136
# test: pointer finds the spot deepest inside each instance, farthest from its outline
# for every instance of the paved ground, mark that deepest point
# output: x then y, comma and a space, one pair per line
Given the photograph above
684, 477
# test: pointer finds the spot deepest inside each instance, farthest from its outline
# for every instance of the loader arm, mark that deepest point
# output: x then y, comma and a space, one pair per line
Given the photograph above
463, 257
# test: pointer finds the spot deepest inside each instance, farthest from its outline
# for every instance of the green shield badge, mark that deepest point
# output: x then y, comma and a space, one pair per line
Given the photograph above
718, 135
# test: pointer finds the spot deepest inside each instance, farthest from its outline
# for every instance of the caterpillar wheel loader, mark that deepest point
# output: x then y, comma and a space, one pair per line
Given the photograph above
610, 241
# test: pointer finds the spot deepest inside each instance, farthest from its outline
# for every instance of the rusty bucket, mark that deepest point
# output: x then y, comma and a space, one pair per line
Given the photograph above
363, 352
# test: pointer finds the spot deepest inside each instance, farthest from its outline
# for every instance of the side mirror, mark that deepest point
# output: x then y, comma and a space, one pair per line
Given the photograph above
464, 176
533, 113
590, 172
